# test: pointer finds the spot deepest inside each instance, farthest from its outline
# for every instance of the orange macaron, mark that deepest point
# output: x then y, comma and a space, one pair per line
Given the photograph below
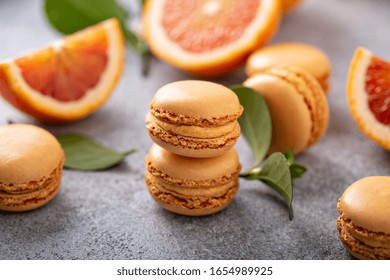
194, 118
192, 186
364, 224
31, 161
297, 104
292, 54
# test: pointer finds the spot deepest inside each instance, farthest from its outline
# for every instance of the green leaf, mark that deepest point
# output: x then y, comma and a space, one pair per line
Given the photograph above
275, 173
69, 16
289, 156
255, 121
83, 153
297, 170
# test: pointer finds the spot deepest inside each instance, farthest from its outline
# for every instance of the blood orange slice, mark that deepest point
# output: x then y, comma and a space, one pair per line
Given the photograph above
208, 37
68, 80
368, 92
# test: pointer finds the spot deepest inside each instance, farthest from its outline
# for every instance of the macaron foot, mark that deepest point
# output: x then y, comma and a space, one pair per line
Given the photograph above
45, 190
189, 206
348, 234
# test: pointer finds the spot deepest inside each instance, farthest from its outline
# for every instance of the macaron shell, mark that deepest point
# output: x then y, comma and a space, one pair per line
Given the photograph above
290, 114
367, 203
27, 153
192, 169
32, 200
200, 99
311, 59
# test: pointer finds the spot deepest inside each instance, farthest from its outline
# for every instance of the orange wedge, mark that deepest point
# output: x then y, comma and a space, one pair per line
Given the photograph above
368, 93
208, 37
68, 80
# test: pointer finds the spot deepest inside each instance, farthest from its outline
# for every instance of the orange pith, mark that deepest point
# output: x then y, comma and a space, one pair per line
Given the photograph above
201, 26
378, 89
61, 74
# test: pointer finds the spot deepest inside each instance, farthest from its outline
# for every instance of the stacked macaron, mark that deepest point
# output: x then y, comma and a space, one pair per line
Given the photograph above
193, 168
31, 161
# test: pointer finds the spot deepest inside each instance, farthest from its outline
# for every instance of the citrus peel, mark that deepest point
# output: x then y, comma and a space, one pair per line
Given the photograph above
68, 80
368, 94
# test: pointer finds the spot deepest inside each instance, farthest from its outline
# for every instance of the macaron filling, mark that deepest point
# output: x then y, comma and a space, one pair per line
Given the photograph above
194, 131
193, 143
182, 119
193, 192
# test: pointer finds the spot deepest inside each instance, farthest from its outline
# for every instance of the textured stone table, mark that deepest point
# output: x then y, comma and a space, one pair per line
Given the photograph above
110, 215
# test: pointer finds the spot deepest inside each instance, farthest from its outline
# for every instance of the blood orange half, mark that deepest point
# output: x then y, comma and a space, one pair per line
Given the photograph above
208, 37
368, 92
68, 80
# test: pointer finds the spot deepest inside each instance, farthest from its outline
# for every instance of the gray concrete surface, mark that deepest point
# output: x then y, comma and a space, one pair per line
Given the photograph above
110, 215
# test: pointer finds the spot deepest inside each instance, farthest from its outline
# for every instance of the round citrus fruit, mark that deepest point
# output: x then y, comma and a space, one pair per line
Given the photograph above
288, 5
208, 37
368, 92
68, 80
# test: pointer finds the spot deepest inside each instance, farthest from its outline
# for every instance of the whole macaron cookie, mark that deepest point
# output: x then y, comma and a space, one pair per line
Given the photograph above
311, 59
194, 118
192, 186
297, 104
31, 161
364, 223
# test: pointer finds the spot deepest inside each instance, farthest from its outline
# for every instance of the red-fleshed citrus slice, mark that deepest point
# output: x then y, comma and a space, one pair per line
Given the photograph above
208, 37
368, 92
68, 80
